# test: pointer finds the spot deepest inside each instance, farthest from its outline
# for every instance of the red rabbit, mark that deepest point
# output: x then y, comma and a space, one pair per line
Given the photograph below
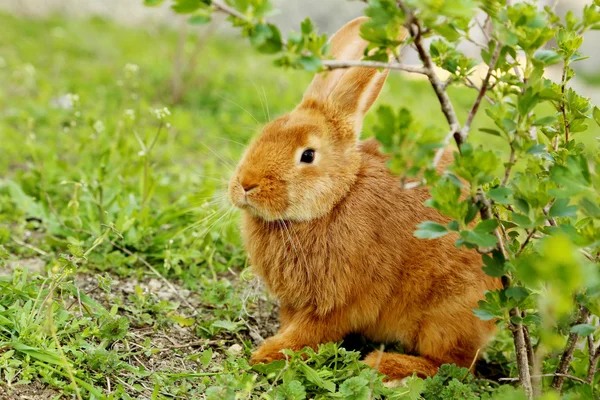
329, 229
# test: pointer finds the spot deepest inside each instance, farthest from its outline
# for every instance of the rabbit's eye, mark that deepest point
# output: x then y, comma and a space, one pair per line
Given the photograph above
308, 156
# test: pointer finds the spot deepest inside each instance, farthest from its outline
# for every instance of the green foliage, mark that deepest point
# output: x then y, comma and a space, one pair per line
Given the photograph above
102, 182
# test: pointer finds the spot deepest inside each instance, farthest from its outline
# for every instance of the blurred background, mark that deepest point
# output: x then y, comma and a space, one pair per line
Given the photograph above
328, 16
116, 113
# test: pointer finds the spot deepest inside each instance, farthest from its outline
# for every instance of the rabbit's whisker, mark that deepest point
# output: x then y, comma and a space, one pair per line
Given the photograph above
227, 163
242, 108
267, 104
261, 100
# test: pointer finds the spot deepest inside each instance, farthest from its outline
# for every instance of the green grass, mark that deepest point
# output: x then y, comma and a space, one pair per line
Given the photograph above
121, 272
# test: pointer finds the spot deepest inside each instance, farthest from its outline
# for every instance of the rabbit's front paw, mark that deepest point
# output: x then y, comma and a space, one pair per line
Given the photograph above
265, 355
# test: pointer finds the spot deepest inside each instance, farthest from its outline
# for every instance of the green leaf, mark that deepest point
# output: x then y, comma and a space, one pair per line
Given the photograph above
315, 378
518, 293
501, 195
537, 149
307, 26
228, 326
479, 239
356, 388
561, 208
483, 315
596, 114
494, 266
311, 64
292, 390
271, 369
547, 57
591, 208
199, 18
266, 38
522, 220
39, 354
491, 131
583, 329
4, 255
545, 120
486, 226
186, 6
153, 3
527, 101
430, 230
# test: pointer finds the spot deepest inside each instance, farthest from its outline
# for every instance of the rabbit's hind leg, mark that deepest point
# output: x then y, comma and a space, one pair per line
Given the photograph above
398, 366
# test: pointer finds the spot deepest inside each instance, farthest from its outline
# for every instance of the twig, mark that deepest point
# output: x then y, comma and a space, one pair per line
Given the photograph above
567, 356
414, 27
547, 375
161, 277
29, 246
535, 382
220, 6
521, 353
594, 355
563, 108
588, 255
526, 242
186, 345
511, 162
484, 87
336, 64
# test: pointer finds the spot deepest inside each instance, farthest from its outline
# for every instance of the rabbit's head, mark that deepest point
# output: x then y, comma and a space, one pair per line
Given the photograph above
305, 162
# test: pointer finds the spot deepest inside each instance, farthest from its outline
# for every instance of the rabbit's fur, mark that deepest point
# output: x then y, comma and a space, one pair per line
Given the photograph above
333, 239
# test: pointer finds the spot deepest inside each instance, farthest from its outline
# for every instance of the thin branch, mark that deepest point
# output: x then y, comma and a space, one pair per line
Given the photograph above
416, 32
484, 27
511, 162
594, 355
526, 242
588, 255
563, 108
521, 354
220, 6
567, 356
336, 64
484, 86
547, 375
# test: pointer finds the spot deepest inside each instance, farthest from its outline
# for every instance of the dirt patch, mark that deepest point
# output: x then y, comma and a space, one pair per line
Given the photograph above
31, 391
34, 266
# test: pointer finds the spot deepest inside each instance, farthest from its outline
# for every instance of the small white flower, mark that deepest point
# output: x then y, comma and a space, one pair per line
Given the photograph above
131, 70
141, 153
161, 113
72, 99
29, 70
99, 127
130, 114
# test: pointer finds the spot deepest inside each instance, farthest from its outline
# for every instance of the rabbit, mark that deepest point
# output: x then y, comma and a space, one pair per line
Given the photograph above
329, 229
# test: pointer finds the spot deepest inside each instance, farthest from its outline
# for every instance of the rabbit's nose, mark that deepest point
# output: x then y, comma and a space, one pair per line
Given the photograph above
248, 186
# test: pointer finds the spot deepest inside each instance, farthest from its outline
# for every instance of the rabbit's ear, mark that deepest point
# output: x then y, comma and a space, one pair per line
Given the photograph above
345, 44
354, 90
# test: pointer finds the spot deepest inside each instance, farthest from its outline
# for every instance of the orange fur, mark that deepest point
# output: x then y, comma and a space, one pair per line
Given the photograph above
333, 240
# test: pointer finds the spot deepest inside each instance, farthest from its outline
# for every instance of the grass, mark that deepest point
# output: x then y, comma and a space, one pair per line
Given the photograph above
121, 269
